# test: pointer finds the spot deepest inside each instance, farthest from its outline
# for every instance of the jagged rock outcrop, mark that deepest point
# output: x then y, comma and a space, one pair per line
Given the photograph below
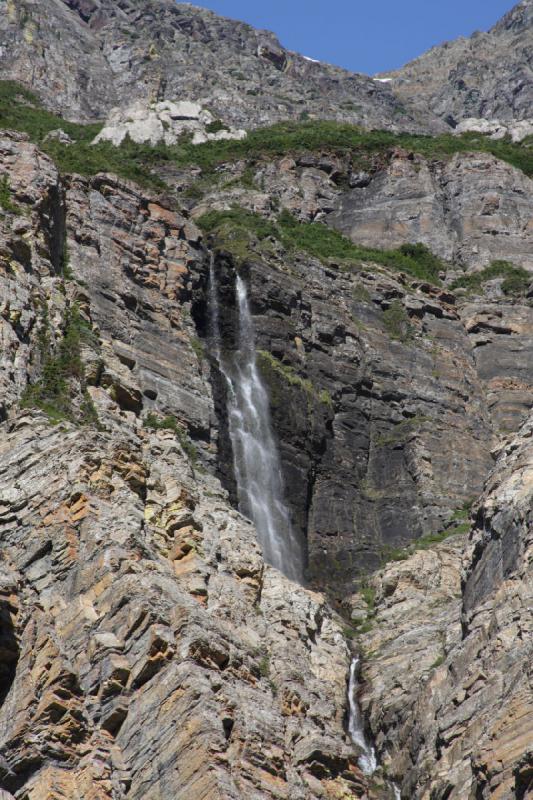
147, 650
449, 657
164, 122
112, 50
488, 75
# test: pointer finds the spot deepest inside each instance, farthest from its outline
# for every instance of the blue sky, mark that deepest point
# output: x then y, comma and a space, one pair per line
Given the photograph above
364, 35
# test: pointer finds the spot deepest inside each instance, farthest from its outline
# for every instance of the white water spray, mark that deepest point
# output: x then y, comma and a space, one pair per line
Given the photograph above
367, 759
255, 456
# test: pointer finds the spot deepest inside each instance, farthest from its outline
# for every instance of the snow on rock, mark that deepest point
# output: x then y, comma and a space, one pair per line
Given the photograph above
164, 122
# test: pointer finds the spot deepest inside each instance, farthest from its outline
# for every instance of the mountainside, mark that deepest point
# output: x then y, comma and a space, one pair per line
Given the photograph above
109, 51
488, 76
266, 421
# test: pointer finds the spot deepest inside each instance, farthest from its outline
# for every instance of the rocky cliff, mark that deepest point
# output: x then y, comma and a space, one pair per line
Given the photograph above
487, 76
162, 50
147, 650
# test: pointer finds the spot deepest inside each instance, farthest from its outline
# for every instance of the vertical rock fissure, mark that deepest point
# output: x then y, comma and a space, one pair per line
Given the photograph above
256, 461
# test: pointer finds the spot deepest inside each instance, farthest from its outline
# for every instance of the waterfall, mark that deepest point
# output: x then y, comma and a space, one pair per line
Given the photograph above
367, 759
256, 460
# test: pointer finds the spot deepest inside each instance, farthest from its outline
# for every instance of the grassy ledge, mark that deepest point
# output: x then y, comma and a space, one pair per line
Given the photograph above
516, 280
238, 230
21, 110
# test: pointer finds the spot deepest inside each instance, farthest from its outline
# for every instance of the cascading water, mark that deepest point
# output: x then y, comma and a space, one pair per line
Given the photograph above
367, 759
255, 456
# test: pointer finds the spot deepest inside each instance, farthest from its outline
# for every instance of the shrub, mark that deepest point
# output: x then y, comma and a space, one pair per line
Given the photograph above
397, 322
62, 381
216, 126
264, 667
6, 201
516, 279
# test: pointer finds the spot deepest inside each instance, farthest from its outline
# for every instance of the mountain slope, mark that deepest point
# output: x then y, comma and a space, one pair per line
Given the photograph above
489, 75
85, 56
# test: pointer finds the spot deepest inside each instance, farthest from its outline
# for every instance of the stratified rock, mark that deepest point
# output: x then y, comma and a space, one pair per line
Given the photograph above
471, 210
460, 725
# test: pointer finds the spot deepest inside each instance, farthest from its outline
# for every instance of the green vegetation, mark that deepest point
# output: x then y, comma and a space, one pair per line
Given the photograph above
397, 322
425, 542
6, 201
287, 373
264, 667
216, 126
516, 280
170, 423
369, 596
464, 512
61, 392
156, 423
238, 231
271, 367
198, 347
438, 662
341, 138
21, 110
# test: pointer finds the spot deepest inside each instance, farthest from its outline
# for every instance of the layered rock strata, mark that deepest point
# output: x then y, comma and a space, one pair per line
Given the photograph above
449, 656
146, 648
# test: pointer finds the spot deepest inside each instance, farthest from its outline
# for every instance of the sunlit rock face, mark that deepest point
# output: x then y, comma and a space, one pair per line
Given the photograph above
165, 122
152, 644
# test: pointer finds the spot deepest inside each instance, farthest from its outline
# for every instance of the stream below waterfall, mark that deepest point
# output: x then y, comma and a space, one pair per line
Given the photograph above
256, 461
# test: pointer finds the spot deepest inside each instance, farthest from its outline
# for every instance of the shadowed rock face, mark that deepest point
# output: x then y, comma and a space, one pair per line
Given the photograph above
467, 647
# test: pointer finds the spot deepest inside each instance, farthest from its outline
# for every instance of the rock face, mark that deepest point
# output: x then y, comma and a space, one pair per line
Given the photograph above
471, 210
147, 651
517, 131
110, 50
136, 612
165, 122
487, 76
449, 659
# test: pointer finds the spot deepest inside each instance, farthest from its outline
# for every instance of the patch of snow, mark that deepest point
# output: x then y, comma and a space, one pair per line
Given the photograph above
383, 80
313, 60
